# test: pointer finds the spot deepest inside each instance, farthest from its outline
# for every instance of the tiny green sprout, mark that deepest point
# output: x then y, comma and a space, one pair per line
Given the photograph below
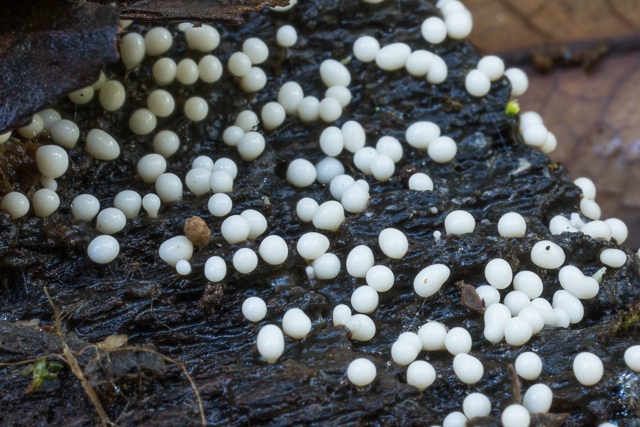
42, 370
347, 60
513, 108
598, 275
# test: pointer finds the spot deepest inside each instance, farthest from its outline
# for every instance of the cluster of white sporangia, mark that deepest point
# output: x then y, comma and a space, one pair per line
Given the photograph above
522, 313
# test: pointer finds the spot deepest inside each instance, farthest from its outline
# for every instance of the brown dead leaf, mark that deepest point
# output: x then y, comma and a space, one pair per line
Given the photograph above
513, 25
229, 12
469, 298
49, 48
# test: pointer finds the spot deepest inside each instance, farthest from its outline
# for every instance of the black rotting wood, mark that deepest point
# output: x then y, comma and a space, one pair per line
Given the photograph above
200, 324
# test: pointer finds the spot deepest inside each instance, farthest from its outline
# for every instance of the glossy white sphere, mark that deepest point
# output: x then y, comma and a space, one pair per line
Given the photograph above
103, 249
16, 204
274, 250
359, 261
245, 260
270, 343
215, 269
220, 204
459, 222
361, 372
235, 229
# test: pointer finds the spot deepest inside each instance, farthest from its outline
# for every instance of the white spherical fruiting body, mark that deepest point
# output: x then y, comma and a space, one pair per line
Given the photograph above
274, 250
433, 336
569, 304
458, 340
220, 204
220, 182
477, 83
538, 398
187, 72
498, 273
515, 416
430, 279
361, 327
273, 115
151, 204
393, 57
366, 48
393, 243
235, 229
168, 187
110, 221
286, 36
301, 173
326, 266
420, 374
296, 324
52, 161
257, 223
359, 261
467, 368
476, 405
588, 368
183, 267
496, 317
421, 134
492, 66
16, 204
329, 216
529, 283
455, 419
327, 169
434, 30
239, 64
132, 50
45, 202
364, 299
204, 38
245, 260
528, 365
289, 96
33, 129
103, 249
361, 372
255, 80
250, 146
65, 133
215, 269
333, 73
546, 254
512, 225
311, 245
164, 72
572, 280
632, 357
254, 309
210, 69
459, 222
157, 41
519, 81
197, 181
176, 249
142, 122
380, 278
420, 182
270, 343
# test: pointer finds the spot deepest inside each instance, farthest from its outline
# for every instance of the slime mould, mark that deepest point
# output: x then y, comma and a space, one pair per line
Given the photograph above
200, 323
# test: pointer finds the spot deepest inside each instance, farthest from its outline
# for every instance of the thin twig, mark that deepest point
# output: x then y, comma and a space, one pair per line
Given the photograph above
75, 367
